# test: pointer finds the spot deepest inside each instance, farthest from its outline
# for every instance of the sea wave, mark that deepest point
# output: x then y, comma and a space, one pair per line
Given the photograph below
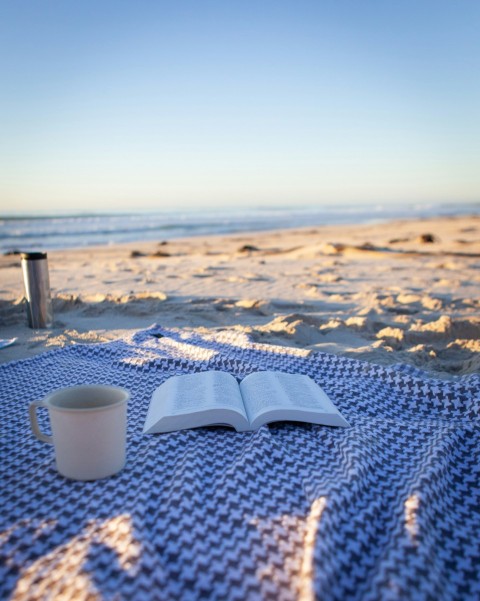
44, 232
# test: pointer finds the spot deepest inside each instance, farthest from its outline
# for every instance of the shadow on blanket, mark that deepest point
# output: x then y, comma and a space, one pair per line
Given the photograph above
386, 508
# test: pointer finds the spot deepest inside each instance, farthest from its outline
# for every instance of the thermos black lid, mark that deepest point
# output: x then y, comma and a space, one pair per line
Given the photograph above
34, 256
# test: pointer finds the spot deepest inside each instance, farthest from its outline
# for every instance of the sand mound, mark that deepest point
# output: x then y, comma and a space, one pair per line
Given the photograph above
451, 346
377, 292
443, 329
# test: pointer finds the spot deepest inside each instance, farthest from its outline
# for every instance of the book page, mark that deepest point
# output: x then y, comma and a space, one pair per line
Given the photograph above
278, 396
196, 399
205, 390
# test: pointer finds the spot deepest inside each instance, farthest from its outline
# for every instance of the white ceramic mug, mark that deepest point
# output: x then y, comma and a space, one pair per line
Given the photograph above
89, 429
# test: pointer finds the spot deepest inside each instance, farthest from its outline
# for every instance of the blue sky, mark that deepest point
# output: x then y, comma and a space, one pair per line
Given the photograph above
136, 105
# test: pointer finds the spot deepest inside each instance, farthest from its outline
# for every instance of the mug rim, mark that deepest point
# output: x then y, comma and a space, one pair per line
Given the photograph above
125, 395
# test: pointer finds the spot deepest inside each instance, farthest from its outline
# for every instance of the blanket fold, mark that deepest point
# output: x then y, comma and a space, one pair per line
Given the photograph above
388, 508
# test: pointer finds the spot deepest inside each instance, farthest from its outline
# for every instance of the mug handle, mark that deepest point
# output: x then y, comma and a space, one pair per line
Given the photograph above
34, 423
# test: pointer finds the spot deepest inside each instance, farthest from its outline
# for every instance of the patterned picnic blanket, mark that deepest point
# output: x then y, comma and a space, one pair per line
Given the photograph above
386, 509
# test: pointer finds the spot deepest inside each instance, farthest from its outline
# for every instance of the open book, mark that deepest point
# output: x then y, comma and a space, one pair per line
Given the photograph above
216, 398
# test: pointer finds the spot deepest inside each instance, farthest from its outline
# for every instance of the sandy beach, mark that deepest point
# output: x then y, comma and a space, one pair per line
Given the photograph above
403, 291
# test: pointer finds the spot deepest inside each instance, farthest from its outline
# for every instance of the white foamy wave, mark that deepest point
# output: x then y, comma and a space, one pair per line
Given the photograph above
26, 233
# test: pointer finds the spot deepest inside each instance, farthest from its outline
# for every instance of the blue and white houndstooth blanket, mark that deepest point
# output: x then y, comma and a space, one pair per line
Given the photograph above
386, 509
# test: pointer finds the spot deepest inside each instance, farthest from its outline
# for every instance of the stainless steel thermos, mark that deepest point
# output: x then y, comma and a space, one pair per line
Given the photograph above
37, 290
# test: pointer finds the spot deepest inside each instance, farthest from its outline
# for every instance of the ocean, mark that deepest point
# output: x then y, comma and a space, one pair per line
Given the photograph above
48, 232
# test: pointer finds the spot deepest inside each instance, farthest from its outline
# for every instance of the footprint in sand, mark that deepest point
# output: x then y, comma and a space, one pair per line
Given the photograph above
259, 307
329, 278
